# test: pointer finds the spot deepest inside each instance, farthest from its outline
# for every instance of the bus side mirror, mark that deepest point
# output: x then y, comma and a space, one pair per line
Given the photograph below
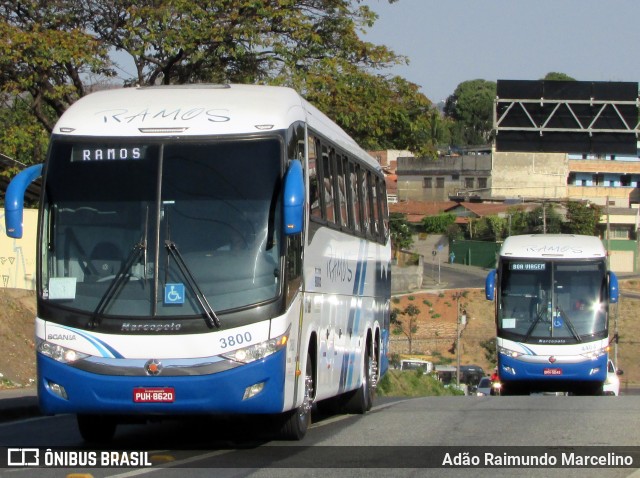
613, 288
14, 199
293, 199
490, 285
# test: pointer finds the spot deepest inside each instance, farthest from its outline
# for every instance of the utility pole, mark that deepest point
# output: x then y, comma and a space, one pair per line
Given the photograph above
457, 297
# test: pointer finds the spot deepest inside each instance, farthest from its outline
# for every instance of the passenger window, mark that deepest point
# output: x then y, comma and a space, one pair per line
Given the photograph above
364, 190
354, 197
342, 190
327, 180
375, 217
314, 181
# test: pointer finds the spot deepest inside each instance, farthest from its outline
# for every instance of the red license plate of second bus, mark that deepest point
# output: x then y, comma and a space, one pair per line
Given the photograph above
153, 395
552, 371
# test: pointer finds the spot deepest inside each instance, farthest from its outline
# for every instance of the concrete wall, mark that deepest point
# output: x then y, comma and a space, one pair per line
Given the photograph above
618, 197
529, 175
454, 170
18, 256
406, 278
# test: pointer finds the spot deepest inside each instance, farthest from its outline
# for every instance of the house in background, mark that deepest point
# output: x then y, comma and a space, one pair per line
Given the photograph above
388, 160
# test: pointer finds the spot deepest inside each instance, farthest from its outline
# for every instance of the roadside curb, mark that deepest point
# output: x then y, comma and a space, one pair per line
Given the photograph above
16, 403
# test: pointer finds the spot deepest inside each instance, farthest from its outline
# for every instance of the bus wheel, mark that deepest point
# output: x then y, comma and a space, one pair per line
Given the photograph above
360, 401
296, 422
96, 428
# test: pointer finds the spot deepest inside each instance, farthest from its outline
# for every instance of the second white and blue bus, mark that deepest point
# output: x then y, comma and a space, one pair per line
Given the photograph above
552, 295
206, 250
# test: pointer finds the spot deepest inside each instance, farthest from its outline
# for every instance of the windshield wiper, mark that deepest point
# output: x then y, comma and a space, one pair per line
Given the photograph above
569, 324
123, 275
210, 316
533, 325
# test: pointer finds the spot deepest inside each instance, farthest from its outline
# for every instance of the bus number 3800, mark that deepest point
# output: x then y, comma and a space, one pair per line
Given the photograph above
233, 340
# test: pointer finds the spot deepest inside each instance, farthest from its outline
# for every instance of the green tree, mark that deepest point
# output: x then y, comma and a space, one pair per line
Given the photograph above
56, 52
544, 219
407, 327
517, 221
556, 76
438, 224
378, 112
488, 228
401, 237
471, 106
45, 53
490, 351
582, 218
22, 137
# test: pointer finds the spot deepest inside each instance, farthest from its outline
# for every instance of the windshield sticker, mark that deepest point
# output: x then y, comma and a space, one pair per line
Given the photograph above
174, 294
508, 323
62, 288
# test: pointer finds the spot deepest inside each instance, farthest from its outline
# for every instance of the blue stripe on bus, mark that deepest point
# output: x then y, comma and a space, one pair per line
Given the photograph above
355, 311
104, 348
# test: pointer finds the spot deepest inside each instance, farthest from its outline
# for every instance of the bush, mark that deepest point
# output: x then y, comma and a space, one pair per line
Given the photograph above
412, 383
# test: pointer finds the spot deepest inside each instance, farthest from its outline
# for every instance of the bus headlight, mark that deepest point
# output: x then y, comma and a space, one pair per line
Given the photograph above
258, 351
509, 352
595, 354
58, 352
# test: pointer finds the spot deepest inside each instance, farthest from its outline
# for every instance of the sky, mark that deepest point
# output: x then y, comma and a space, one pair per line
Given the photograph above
452, 41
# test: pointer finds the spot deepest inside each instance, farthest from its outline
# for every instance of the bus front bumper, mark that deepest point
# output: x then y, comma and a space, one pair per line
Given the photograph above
257, 387
547, 369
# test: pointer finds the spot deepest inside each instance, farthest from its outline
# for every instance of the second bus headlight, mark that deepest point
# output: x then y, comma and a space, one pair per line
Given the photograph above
509, 352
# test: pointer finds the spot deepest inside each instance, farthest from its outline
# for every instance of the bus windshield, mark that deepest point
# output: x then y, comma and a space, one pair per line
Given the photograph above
552, 302
131, 228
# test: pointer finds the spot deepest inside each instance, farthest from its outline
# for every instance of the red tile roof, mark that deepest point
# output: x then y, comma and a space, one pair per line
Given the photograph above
416, 210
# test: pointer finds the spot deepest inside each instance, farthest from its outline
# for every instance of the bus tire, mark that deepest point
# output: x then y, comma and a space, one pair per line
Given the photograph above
360, 401
96, 428
295, 423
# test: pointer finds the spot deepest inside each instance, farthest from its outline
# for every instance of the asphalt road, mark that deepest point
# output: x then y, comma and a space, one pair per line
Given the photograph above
398, 438
453, 276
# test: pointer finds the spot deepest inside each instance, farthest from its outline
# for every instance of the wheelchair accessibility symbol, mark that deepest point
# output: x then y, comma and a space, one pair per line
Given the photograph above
558, 322
174, 294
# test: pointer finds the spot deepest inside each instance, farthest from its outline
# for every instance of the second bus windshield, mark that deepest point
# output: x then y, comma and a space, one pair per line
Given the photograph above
552, 301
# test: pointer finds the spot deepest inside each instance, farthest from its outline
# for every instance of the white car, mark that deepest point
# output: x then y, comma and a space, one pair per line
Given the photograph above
612, 383
484, 387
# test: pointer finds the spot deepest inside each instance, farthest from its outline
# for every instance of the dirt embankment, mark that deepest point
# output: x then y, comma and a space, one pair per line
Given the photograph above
17, 342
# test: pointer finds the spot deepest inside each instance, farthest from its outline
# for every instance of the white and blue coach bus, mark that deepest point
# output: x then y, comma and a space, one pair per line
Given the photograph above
206, 249
552, 313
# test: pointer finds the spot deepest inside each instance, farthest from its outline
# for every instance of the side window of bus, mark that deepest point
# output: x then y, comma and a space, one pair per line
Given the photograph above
354, 197
341, 196
293, 266
364, 192
327, 180
314, 180
384, 210
375, 216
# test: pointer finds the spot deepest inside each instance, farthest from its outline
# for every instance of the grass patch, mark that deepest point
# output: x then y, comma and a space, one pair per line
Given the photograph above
412, 383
